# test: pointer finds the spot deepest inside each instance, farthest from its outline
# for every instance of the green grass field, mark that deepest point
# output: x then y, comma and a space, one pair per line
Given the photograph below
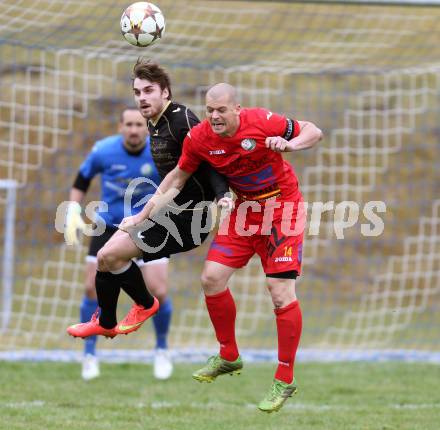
363, 396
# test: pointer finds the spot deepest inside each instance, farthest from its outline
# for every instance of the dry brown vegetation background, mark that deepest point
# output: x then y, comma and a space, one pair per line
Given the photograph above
369, 76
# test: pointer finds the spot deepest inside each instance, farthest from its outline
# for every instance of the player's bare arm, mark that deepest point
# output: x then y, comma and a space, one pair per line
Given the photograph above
168, 189
308, 136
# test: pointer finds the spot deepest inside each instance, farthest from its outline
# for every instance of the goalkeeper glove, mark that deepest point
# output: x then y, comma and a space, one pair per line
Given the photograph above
73, 223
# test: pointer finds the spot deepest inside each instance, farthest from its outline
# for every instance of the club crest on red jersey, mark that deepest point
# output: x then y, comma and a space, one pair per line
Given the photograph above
248, 144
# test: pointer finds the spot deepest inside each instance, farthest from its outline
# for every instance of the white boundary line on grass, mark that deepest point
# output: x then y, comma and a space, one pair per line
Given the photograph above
249, 355
309, 407
23, 405
293, 405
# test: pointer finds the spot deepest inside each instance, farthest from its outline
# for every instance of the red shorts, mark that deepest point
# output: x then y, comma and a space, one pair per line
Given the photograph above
274, 233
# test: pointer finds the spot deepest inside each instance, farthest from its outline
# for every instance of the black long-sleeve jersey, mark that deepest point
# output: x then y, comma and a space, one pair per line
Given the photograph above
166, 137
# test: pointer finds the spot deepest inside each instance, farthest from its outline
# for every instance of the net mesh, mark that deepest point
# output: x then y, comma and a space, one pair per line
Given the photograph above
369, 76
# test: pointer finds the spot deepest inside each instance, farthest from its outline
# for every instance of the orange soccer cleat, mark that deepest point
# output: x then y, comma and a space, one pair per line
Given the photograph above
91, 328
136, 317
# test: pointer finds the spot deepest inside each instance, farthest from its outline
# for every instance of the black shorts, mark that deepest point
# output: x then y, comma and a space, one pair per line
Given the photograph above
97, 242
163, 243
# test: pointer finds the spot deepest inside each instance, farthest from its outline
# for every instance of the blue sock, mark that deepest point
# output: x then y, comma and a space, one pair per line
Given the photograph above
88, 307
161, 322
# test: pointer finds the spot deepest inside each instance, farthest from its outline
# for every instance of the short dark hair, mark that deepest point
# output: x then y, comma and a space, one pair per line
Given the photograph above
125, 109
146, 69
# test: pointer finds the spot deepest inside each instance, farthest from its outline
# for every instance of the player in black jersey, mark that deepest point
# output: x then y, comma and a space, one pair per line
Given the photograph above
166, 233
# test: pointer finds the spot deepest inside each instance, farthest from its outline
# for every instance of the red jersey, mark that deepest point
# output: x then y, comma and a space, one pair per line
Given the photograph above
253, 171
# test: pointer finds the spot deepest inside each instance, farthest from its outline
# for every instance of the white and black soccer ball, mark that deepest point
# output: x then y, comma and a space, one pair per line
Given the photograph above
142, 24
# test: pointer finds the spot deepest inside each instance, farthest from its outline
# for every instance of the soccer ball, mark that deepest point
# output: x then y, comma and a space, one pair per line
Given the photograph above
142, 24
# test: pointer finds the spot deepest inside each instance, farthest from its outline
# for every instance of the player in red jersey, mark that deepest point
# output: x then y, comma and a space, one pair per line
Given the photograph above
245, 145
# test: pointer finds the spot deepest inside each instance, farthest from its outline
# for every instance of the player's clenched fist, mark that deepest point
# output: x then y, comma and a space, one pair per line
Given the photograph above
73, 224
276, 143
129, 222
226, 202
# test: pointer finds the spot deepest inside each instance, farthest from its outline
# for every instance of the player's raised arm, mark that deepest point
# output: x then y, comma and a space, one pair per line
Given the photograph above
168, 189
308, 136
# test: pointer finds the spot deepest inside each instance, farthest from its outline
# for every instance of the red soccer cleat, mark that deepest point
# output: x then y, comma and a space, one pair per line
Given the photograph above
136, 317
91, 328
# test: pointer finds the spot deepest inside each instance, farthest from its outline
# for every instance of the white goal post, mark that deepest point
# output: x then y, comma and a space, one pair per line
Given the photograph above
9, 187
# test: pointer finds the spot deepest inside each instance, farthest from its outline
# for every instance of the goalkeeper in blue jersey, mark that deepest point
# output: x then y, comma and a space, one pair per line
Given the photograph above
120, 159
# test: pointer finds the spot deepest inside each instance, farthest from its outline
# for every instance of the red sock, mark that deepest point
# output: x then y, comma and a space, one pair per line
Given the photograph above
221, 308
289, 326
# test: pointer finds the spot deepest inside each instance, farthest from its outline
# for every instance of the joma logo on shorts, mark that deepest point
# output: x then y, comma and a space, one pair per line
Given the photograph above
282, 259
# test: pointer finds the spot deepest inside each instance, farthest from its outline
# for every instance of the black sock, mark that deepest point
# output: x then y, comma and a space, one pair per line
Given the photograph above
107, 290
132, 282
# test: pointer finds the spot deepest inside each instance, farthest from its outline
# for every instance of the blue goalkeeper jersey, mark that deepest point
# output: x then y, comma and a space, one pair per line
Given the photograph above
118, 168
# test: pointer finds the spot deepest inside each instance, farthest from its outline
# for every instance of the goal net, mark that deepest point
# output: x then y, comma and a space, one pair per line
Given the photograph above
367, 75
